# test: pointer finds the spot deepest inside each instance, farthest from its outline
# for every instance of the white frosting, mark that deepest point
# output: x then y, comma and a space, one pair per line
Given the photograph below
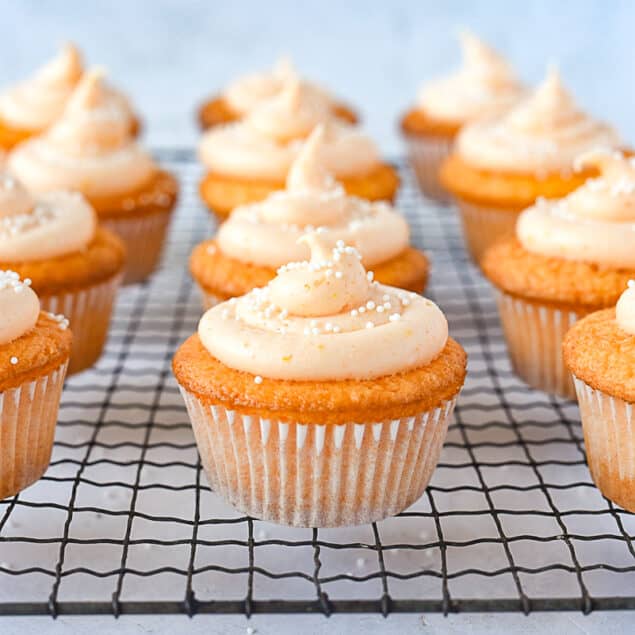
595, 223
250, 91
19, 307
55, 224
267, 233
484, 85
324, 320
89, 148
625, 309
265, 143
544, 133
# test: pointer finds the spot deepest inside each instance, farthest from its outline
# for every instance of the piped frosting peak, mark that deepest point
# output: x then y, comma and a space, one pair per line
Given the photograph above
324, 319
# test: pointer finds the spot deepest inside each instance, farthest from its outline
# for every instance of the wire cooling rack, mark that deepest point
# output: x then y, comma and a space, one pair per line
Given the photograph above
124, 522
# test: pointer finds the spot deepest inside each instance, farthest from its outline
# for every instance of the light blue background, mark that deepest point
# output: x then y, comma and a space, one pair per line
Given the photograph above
168, 55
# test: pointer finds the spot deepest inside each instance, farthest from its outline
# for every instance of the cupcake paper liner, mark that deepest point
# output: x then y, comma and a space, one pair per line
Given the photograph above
28, 415
484, 226
144, 237
88, 311
311, 475
426, 156
534, 335
609, 438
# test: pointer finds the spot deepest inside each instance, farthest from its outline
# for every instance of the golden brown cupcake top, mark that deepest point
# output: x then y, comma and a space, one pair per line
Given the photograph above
600, 349
32, 343
567, 283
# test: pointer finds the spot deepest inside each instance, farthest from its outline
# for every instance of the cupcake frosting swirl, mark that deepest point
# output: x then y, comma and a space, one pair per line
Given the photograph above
88, 149
248, 92
54, 224
485, 84
267, 233
266, 142
20, 307
324, 319
543, 133
625, 309
36, 103
595, 223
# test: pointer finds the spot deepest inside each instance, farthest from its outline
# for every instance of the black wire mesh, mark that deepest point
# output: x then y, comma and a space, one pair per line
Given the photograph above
123, 521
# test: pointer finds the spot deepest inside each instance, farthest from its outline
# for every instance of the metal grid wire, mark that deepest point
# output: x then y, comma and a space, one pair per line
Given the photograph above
123, 521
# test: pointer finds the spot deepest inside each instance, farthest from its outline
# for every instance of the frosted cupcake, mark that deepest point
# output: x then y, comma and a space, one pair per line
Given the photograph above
53, 241
259, 238
90, 150
600, 353
250, 91
569, 258
246, 161
30, 107
313, 407
34, 352
485, 85
502, 165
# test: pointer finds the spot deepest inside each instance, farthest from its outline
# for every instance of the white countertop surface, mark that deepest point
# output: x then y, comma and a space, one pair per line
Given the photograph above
169, 55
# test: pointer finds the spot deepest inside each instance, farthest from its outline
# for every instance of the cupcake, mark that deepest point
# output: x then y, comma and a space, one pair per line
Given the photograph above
569, 257
34, 351
90, 150
259, 238
248, 92
30, 107
75, 267
501, 165
599, 351
310, 406
484, 85
248, 160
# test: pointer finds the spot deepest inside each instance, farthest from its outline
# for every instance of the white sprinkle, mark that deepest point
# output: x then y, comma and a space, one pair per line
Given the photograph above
336, 329
380, 308
369, 325
258, 379
339, 275
385, 297
251, 630
370, 305
362, 309
370, 275
395, 317
354, 313
14, 360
